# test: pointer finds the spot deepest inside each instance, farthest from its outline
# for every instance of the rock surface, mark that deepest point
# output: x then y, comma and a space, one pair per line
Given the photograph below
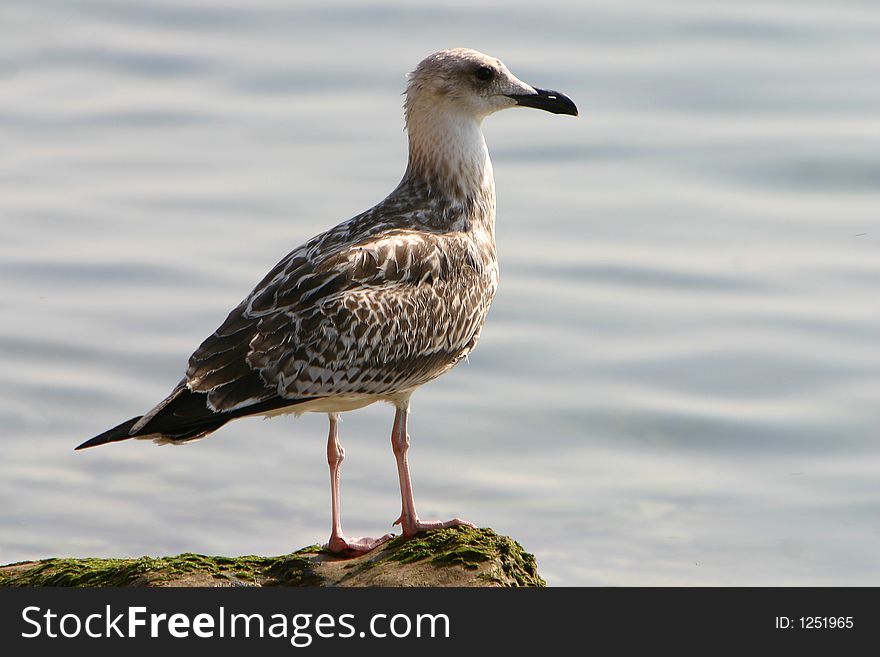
459, 556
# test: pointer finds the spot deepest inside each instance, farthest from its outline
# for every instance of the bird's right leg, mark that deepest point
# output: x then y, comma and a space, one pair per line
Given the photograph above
338, 541
409, 519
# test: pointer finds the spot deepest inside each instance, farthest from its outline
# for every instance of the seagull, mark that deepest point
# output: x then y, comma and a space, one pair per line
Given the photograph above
375, 307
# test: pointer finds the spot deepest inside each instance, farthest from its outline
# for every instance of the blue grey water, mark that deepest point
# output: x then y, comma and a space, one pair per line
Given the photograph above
679, 380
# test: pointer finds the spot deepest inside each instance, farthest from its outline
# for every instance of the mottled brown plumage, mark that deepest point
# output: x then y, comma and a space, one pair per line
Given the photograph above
380, 304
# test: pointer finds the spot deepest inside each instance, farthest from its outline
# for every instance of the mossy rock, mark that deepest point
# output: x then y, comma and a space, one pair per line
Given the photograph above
183, 570
458, 556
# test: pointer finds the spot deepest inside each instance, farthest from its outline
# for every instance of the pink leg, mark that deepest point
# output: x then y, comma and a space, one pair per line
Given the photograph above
338, 541
409, 519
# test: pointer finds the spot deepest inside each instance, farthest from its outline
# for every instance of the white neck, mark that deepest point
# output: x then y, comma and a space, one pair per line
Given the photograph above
448, 152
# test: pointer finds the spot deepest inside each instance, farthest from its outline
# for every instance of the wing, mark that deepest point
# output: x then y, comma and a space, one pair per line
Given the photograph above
384, 314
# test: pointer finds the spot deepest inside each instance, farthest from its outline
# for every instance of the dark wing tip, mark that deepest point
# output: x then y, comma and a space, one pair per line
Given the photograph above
117, 433
186, 417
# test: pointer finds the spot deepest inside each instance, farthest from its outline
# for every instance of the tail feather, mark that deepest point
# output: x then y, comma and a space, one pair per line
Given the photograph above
117, 433
181, 417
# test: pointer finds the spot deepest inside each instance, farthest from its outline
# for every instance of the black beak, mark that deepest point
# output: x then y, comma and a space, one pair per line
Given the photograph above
549, 101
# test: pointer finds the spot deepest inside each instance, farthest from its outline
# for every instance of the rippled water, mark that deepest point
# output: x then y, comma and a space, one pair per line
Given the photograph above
679, 380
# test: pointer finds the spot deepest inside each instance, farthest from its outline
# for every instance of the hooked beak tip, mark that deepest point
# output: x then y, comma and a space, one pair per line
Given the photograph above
548, 100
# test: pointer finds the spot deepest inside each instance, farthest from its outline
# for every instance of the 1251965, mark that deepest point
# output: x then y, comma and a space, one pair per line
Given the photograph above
814, 622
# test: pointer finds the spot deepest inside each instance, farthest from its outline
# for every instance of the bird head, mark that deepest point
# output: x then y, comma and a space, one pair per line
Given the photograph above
464, 81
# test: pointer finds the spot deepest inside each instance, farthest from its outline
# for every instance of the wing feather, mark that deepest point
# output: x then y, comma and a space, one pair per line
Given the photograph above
385, 313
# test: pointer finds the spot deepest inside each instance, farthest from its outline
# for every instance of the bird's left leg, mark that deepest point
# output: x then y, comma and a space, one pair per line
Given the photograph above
409, 519
338, 541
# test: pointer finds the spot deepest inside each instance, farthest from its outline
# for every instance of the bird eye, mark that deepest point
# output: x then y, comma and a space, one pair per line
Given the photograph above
484, 73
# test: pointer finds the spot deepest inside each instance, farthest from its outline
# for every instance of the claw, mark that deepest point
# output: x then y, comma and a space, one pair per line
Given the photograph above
412, 527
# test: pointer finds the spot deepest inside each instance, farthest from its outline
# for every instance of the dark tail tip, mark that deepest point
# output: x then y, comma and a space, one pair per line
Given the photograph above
117, 433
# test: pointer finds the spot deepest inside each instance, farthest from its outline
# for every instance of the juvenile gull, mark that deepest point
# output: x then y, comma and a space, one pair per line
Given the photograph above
377, 306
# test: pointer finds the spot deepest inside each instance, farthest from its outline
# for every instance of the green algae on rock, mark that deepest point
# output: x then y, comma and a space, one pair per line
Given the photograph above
471, 548
182, 570
458, 556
